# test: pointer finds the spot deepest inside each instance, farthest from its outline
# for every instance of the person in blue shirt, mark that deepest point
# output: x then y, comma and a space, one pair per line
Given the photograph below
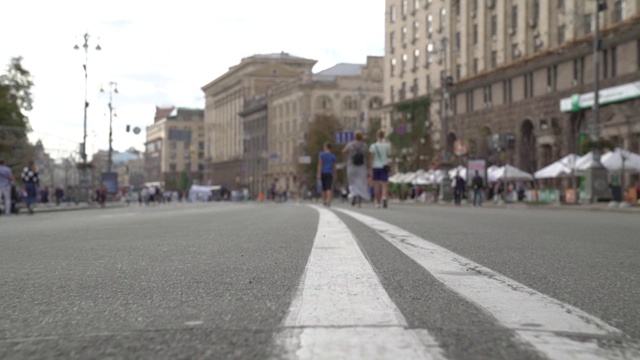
326, 171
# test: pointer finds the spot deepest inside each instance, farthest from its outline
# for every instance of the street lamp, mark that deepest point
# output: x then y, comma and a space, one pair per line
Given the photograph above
85, 46
113, 89
596, 179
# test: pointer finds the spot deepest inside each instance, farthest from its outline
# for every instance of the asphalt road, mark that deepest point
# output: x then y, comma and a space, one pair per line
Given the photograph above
218, 280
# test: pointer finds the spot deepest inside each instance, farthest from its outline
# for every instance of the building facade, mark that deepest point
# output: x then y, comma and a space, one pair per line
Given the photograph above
350, 92
255, 156
225, 100
431, 45
175, 146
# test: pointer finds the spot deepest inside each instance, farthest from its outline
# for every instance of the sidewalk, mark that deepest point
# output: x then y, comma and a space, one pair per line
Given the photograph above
43, 208
523, 205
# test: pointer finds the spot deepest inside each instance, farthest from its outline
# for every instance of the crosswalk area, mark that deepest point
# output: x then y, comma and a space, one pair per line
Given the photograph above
343, 308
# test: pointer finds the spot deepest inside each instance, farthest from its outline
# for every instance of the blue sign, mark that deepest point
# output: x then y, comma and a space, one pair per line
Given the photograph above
274, 156
343, 137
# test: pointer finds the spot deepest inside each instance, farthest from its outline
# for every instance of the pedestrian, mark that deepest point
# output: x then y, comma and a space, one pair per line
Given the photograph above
357, 169
478, 184
31, 181
459, 189
6, 178
326, 171
380, 169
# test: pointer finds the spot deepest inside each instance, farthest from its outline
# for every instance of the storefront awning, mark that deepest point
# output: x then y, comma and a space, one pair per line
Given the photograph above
610, 95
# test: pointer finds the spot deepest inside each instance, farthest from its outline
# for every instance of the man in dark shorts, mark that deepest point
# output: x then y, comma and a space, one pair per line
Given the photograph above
326, 170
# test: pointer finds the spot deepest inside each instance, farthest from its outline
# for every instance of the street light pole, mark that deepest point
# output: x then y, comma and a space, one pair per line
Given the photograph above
85, 46
113, 89
445, 185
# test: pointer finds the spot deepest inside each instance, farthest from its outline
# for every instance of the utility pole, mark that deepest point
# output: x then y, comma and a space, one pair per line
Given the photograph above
113, 89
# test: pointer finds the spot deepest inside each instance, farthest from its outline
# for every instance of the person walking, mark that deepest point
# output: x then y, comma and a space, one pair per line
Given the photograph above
380, 169
459, 188
6, 178
31, 181
357, 169
478, 184
326, 171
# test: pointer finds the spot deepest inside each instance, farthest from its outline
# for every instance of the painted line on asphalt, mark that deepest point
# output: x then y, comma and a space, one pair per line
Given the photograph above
544, 322
341, 310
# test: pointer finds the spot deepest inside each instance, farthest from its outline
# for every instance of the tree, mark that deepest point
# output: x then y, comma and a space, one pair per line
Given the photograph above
184, 181
15, 101
321, 130
410, 139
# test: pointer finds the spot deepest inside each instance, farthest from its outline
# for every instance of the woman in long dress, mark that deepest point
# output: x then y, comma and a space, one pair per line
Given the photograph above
357, 169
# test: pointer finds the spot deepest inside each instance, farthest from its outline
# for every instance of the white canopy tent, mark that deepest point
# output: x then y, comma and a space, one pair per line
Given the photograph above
612, 160
562, 168
508, 173
458, 169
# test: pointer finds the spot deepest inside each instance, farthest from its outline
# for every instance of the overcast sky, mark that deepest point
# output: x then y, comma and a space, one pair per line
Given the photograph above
163, 52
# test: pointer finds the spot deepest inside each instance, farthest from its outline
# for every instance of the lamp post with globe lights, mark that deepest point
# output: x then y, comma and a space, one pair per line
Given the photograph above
113, 89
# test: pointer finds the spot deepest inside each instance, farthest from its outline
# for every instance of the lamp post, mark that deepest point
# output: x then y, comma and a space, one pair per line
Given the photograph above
446, 81
596, 179
85, 46
113, 89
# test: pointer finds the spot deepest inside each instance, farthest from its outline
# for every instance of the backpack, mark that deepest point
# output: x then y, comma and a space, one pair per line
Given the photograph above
358, 157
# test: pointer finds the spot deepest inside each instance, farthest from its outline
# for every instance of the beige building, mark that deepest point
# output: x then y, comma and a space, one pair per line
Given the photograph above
225, 99
351, 92
175, 144
431, 40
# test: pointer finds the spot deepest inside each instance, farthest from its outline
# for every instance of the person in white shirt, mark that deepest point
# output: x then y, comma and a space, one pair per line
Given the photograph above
6, 177
379, 152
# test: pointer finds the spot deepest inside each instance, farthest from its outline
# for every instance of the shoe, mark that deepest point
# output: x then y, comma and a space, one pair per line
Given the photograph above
377, 206
384, 203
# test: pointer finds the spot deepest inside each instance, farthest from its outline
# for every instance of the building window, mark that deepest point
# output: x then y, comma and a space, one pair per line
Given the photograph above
456, 7
404, 36
416, 59
506, 92
458, 71
605, 64
393, 67
475, 65
429, 25
392, 94
429, 55
578, 71
416, 5
528, 85
403, 91
487, 95
560, 4
614, 61
560, 34
474, 5
416, 30
415, 88
536, 10
515, 51
494, 58
173, 167
470, 101
494, 26
428, 83
618, 10
514, 19
475, 34
392, 13
588, 23
404, 8
404, 64
392, 41
552, 75
443, 18
457, 41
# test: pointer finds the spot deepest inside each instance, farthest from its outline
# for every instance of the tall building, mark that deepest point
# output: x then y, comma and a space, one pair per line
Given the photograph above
431, 43
350, 92
255, 157
175, 146
225, 99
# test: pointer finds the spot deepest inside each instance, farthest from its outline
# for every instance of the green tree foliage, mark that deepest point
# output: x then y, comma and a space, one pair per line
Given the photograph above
15, 102
321, 130
411, 134
184, 181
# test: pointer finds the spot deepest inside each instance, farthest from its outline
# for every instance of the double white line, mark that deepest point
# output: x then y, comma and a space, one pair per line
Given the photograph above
341, 309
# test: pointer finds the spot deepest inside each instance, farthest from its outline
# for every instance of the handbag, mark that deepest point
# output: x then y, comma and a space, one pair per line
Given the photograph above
386, 168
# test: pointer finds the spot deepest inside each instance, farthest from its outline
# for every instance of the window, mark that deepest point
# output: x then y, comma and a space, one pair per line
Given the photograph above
475, 65
416, 5
605, 64
528, 85
506, 92
404, 8
392, 41
443, 18
402, 94
429, 25
392, 94
392, 13
470, 101
393, 67
514, 19
172, 145
614, 61
475, 34
561, 4
404, 36
429, 55
494, 58
536, 10
458, 71
552, 75
415, 87
457, 41
404, 63
416, 30
416, 59
474, 5
494, 26
618, 10
487, 95
428, 83
588, 23
456, 7
561, 34
515, 51
173, 167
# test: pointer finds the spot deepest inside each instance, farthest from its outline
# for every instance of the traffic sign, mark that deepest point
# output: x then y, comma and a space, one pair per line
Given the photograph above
343, 137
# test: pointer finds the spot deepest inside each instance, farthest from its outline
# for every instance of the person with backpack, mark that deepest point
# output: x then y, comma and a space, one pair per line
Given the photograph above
478, 185
357, 169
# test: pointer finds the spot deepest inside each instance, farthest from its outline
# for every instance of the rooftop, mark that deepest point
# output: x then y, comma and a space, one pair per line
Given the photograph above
342, 69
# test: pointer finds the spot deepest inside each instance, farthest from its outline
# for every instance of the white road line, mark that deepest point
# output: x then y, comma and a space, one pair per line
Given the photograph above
546, 323
341, 310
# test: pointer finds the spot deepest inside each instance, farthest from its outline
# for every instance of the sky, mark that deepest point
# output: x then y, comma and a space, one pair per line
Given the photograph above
162, 53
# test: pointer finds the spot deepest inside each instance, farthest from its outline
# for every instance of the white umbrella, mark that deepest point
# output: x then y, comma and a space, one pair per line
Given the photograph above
512, 173
459, 169
561, 168
395, 178
614, 160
